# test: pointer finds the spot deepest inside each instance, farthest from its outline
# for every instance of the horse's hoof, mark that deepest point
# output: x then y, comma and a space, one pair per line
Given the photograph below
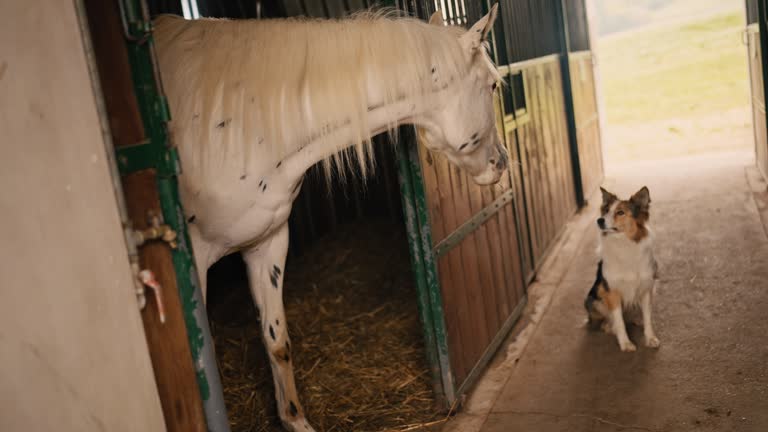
299, 424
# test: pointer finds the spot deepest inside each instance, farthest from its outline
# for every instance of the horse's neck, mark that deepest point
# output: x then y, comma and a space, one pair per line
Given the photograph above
380, 118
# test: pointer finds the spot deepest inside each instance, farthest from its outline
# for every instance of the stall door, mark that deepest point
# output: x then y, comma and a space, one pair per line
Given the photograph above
72, 345
467, 248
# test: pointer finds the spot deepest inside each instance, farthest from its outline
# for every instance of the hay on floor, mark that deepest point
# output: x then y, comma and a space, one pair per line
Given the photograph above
356, 337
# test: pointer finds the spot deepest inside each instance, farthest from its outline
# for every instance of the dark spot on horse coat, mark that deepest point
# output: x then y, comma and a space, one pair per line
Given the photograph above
278, 164
261, 182
223, 123
474, 135
294, 410
271, 332
277, 322
274, 275
242, 177
475, 142
263, 188
463, 146
191, 219
433, 69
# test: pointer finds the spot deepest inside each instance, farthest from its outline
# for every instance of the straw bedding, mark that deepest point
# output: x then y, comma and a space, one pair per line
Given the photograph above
356, 336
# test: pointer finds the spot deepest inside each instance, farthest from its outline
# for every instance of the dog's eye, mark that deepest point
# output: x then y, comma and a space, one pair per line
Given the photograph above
620, 213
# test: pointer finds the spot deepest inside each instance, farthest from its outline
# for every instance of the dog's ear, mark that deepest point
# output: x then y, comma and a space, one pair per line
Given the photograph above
641, 198
608, 198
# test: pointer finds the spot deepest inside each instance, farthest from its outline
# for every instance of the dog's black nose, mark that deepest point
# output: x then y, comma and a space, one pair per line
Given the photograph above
601, 223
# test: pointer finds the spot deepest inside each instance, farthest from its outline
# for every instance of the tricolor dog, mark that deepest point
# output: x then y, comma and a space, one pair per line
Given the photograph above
627, 269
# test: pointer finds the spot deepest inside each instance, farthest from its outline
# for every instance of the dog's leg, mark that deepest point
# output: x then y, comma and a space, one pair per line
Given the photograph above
612, 300
620, 329
645, 304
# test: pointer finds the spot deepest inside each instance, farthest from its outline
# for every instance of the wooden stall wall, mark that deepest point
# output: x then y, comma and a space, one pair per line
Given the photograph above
528, 47
544, 154
587, 121
481, 276
756, 59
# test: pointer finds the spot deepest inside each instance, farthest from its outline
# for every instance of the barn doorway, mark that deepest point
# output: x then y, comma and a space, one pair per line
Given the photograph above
674, 77
358, 346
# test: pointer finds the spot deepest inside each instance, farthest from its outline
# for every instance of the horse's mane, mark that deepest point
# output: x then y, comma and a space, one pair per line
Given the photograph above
245, 90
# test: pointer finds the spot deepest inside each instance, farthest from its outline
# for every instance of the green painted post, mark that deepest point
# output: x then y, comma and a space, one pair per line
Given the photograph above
425, 266
156, 153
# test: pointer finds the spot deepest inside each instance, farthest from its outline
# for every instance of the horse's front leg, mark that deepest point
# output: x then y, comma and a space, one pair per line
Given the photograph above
265, 272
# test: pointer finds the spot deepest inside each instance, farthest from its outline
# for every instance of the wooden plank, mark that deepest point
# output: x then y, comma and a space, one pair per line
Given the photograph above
168, 344
758, 104
461, 343
471, 321
585, 110
449, 268
171, 356
482, 243
521, 212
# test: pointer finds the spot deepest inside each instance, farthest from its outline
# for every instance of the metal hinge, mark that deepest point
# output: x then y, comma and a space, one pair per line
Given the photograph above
145, 155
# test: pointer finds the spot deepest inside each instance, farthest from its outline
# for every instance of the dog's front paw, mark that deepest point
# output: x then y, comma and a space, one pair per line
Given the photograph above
652, 342
628, 346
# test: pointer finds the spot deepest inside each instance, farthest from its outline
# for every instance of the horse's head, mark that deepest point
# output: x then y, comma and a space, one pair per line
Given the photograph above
464, 126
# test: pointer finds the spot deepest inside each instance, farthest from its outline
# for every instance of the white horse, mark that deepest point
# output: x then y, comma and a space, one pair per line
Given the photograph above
255, 103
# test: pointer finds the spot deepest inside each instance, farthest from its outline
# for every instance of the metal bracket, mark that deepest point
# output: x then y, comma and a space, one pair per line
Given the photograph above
145, 155
156, 231
473, 223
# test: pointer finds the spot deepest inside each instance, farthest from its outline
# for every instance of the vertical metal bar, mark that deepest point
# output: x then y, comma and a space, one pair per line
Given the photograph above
428, 290
565, 69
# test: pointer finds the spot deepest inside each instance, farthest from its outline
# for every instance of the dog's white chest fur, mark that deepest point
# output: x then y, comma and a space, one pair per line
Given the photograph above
628, 266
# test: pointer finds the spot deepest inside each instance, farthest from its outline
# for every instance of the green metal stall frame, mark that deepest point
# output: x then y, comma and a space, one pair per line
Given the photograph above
158, 153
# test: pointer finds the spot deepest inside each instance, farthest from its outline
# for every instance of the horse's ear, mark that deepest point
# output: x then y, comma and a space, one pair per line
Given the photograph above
479, 32
436, 18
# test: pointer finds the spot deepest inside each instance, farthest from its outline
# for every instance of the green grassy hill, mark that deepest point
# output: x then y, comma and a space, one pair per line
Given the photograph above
682, 87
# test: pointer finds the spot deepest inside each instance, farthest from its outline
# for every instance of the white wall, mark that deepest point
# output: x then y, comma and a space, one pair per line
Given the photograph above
72, 351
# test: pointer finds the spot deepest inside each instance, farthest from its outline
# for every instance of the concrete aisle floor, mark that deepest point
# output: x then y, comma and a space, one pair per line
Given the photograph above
711, 314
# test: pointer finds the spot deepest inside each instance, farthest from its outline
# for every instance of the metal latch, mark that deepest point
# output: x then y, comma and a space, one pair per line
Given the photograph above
156, 231
145, 277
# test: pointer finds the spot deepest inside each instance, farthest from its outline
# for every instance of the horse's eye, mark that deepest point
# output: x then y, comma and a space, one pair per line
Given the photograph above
493, 87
